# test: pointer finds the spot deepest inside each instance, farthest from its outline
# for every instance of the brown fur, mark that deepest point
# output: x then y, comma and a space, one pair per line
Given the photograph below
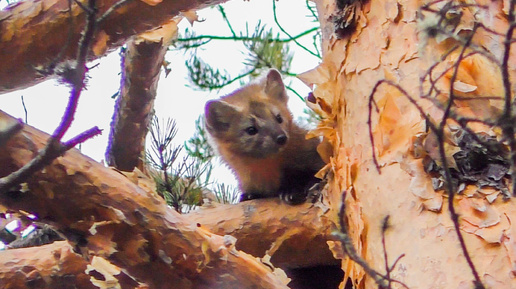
253, 132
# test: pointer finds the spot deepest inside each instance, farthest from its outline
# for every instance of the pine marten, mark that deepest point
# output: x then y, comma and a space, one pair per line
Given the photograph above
253, 131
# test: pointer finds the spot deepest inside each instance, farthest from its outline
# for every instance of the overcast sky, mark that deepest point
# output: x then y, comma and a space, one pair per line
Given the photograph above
46, 102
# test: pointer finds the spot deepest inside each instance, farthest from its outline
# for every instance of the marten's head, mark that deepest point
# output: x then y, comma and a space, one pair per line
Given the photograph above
253, 121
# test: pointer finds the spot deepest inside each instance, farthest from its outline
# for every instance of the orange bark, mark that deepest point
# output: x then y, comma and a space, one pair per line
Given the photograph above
108, 216
49, 266
389, 43
34, 32
293, 236
141, 68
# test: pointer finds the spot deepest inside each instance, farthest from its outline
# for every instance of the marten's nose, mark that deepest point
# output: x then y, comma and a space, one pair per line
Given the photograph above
281, 139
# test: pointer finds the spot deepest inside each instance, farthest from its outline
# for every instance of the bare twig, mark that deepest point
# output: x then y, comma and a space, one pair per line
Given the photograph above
439, 131
53, 150
87, 9
453, 79
290, 37
75, 76
451, 207
505, 122
349, 248
78, 73
383, 282
438, 29
24, 109
370, 125
448, 177
407, 95
429, 72
385, 226
507, 119
81, 138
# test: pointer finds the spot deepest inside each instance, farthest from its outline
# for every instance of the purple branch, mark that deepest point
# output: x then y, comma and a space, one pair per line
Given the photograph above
75, 75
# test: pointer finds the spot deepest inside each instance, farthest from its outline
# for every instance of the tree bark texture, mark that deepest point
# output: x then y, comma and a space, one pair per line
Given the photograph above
389, 43
293, 236
37, 34
56, 266
106, 215
141, 67
49, 266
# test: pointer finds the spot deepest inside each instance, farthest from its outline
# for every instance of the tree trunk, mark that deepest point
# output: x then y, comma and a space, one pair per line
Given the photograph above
386, 44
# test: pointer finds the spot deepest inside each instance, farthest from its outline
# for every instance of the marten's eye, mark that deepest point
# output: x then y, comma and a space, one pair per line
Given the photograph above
251, 130
279, 118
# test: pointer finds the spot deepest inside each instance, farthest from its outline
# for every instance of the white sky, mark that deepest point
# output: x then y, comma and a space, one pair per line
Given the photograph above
46, 102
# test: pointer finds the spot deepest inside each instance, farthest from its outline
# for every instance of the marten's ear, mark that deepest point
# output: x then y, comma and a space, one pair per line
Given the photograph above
219, 116
274, 86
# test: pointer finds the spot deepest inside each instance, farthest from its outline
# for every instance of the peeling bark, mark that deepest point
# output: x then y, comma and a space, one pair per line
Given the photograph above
293, 236
57, 266
389, 43
34, 32
49, 266
141, 67
106, 215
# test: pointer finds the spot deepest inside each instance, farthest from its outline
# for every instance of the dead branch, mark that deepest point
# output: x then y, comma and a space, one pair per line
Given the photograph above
507, 119
75, 76
383, 281
438, 129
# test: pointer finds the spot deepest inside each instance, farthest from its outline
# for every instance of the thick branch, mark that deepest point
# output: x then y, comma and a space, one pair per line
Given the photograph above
34, 32
141, 67
294, 235
50, 266
299, 231
56, 265
108, 216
